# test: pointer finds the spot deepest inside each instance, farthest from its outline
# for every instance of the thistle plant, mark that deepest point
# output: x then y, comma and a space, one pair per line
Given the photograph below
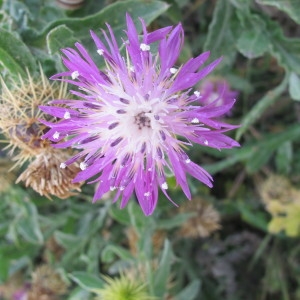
19, 122
123, 288
135, 117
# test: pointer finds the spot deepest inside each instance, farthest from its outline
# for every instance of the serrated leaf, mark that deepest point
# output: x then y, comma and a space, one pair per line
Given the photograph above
87, 281
294, 86
60, 37
14, 54
291, 7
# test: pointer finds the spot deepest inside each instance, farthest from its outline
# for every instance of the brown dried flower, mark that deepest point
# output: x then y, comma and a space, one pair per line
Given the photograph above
47, 175
46, 284
20, 113
205, 221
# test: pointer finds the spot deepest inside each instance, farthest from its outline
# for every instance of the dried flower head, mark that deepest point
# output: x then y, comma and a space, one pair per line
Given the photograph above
123, 288
20, 113
46, 284
48, 176
205, 221
136, 116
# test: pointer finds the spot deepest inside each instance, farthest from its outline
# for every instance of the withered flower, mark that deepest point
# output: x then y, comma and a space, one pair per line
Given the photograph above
205, 221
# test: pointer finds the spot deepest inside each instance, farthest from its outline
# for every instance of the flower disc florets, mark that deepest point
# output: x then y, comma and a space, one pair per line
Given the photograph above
129, 115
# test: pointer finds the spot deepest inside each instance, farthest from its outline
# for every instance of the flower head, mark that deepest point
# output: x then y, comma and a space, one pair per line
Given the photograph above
217, 91
135, 117
20, 113
123, 288
48, 176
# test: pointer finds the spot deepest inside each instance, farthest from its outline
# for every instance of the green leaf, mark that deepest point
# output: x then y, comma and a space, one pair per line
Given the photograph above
87, 281
175, 221
130, 215
268, 145
163, 272
28, 225
109, 252
286, 50
14, 54
294, 86
220, 39
113, 14
60, 37
284, 157
253, 216
291, 7
251, 153
253, 41
190, 292
68, 241
259, 108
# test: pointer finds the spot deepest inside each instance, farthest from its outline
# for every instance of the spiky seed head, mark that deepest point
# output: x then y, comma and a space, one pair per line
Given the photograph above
123, 288
48, 176
19, 113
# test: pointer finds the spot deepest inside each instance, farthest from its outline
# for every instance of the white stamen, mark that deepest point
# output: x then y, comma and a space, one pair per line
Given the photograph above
147, 194
188, 161
62, 165
173, 70
144, 47
67, 115
197, 93
206, 142
75, 75
100, 51
56, 135
131, 68
164, 186
122, 188
83, 166
195, 121
112, 188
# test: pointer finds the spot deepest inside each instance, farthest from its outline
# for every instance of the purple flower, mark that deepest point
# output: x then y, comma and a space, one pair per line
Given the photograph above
217, 92
136, 116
